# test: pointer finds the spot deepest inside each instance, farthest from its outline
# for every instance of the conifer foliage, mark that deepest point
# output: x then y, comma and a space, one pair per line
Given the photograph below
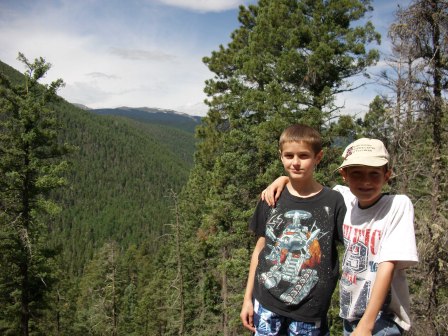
30, 167
284, 65
130, 266
419, 135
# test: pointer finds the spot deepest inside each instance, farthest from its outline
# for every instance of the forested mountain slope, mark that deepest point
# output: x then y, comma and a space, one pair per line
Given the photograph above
119, 181
120, 175
154, 116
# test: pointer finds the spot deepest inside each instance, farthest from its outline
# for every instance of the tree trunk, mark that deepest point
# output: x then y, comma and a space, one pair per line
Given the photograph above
180, 276
437, 173
114, 295
224, 294
26, 248
25, 312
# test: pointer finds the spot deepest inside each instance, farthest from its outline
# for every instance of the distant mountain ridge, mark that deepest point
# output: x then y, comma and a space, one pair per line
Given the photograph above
153, 115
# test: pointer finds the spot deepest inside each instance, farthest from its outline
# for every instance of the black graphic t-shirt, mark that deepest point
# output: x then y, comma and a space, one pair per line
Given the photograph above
298, 268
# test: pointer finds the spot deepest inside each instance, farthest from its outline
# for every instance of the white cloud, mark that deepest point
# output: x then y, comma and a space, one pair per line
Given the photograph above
130, 55
111, 66
142, 55
204, 5
197, 109
101, 75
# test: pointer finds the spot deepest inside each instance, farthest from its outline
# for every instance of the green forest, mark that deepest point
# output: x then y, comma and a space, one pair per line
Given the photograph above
112, 225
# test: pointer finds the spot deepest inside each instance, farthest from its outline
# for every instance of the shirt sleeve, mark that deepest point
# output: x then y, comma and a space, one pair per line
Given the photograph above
345, 192
258, 222
341, 210
399, 237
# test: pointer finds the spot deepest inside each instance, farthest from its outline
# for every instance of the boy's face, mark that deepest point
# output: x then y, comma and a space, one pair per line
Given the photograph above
366, 182
299, 160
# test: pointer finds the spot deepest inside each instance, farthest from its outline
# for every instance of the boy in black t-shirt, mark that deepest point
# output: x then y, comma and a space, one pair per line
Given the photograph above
294, 266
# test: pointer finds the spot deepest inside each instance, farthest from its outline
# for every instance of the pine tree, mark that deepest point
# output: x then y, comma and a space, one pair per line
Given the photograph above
420, 33
30, 168
100, 289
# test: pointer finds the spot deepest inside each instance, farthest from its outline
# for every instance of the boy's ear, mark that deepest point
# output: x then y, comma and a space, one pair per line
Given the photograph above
388, 174
319, 156
343, 174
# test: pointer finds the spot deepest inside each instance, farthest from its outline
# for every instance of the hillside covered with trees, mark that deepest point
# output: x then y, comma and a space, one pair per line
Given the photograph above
118, 180
148, 242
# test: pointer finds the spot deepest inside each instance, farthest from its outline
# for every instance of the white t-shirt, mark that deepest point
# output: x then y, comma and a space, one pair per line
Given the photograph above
382, 232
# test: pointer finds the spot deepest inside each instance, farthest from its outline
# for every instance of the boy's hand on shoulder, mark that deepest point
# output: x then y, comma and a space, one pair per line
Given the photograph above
247, 315
267, 195
271, 194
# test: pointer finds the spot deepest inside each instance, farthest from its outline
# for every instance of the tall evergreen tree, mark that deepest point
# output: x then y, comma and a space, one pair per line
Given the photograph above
422, 28
285, 63
30, 168
100, 289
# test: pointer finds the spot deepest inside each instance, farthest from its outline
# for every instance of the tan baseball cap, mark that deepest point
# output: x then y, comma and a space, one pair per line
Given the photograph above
365, 152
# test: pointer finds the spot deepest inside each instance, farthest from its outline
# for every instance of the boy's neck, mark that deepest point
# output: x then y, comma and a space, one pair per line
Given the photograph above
304, 190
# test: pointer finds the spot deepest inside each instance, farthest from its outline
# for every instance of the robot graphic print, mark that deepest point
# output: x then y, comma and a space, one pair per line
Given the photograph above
294, 254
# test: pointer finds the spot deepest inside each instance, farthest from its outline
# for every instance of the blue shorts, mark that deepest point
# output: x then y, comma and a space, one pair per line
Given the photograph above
384, 326
268, 323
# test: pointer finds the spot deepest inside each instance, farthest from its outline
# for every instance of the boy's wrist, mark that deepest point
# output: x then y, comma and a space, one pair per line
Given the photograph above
366, 323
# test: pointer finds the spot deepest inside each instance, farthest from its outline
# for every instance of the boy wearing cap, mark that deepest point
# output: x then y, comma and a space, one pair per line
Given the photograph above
379, 244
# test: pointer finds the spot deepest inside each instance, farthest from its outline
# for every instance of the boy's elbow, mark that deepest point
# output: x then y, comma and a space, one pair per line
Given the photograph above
388, 263
387, 267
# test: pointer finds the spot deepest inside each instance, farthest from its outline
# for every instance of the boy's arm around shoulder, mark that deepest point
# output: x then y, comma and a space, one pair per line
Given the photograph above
272, 192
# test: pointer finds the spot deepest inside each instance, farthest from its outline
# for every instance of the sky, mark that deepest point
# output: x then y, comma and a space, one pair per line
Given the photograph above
138, 53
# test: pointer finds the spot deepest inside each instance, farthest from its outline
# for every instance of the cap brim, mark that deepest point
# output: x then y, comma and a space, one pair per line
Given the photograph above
371, 162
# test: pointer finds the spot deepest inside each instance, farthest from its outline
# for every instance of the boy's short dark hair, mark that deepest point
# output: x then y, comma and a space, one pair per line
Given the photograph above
298, 133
